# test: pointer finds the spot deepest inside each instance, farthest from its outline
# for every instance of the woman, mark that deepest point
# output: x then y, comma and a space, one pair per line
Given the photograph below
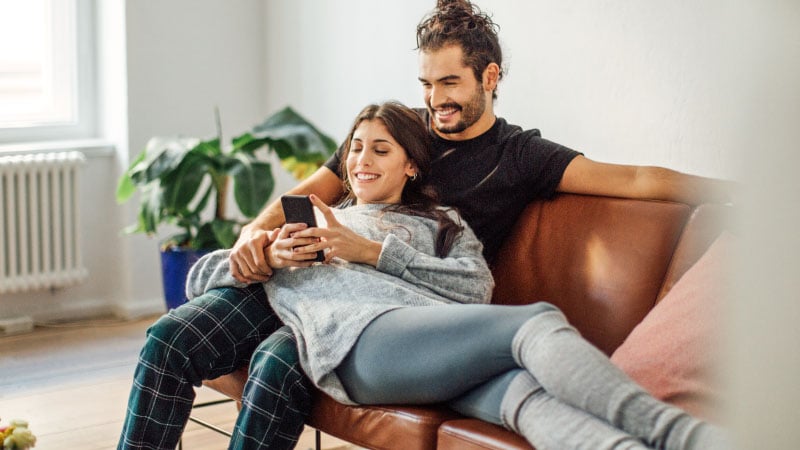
375, 323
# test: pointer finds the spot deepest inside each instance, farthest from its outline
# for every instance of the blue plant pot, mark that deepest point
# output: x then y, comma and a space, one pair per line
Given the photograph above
175, 265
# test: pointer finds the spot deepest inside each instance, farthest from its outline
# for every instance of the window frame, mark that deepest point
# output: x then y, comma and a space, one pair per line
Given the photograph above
85, 97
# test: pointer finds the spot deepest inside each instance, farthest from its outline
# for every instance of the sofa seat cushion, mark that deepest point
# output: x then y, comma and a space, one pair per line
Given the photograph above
673, 353
379, 427
472, 434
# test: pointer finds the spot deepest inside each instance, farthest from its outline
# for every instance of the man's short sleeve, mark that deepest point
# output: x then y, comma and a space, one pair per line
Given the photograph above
335, 160
542, 163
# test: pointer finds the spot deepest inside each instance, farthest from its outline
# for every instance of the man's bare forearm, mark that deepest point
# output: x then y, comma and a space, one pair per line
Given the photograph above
584, 176
323, 183
667, 184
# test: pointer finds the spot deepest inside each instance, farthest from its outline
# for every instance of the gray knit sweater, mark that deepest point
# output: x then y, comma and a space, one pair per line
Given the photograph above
329, 305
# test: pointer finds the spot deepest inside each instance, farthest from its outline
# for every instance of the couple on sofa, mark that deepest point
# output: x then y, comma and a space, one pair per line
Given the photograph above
365, 320
376, 322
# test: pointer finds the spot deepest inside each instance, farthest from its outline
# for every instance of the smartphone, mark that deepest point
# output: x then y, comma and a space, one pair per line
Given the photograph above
298, 209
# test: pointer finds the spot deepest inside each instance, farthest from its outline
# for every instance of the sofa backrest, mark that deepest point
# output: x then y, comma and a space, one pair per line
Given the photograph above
601, 260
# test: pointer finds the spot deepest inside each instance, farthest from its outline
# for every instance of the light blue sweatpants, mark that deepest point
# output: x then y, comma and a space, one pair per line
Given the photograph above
523, 367
423, 355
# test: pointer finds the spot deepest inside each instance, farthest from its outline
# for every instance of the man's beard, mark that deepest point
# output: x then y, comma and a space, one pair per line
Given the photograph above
470, 113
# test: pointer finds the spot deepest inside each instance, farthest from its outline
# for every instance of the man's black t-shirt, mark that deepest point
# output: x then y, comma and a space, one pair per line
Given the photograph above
491, 178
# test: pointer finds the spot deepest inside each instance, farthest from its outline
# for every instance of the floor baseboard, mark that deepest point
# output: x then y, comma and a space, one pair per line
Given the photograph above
138, 309
15, 325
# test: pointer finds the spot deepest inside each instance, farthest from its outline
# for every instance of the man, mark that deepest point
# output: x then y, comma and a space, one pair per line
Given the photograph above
482, 165
459, 76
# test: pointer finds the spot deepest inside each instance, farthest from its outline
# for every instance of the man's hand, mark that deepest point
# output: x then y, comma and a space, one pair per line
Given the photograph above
248, 258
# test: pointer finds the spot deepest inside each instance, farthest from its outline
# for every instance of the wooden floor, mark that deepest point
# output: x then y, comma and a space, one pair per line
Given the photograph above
71, 383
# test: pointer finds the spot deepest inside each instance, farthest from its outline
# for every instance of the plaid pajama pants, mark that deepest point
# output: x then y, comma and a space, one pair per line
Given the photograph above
211, 336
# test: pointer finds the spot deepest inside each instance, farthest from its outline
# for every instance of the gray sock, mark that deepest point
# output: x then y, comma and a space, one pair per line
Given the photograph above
548, 423
576, 373
519, 390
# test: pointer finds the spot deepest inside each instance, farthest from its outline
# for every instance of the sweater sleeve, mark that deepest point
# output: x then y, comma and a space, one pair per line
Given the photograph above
462, 276
209, 272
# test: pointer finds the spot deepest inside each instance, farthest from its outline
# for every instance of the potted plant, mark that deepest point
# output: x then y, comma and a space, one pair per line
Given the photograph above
184, 182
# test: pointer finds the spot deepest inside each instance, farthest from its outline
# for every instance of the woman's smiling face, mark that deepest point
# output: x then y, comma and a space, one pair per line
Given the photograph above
377, 166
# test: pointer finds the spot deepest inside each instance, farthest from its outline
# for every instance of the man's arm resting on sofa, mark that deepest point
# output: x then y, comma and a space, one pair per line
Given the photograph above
584, 176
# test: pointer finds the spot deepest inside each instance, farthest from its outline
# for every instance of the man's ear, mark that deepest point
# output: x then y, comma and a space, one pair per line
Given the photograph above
491, 76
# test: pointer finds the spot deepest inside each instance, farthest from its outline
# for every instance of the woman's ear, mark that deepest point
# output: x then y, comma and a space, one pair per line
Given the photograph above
411, 170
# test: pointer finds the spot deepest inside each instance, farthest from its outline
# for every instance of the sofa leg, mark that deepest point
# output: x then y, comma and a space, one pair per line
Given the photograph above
318, 439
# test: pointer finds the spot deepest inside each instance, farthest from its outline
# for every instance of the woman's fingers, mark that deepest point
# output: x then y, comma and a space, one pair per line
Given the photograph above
325, 210
289, 246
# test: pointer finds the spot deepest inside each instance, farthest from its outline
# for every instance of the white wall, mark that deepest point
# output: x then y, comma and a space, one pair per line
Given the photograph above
330, 59
764, 334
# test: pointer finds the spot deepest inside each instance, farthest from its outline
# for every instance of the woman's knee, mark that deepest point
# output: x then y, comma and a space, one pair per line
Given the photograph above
181, 329
166, 336
276, 358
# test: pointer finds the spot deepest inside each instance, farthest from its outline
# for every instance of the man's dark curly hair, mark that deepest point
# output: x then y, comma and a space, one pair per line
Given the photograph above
462, 23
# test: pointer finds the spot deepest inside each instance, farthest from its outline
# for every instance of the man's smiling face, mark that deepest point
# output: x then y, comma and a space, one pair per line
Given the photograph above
454, 98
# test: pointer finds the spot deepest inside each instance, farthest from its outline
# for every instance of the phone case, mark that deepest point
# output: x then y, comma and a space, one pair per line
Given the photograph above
298, 209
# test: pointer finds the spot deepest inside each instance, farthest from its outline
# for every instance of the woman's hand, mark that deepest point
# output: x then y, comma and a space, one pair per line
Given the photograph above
339, 240
288, 249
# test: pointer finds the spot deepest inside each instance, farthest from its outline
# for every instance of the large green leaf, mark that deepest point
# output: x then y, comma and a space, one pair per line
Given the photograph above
161, 156
205, 238
150, 208
209, 147
126, 187
181, 186
246, 143
216, 234
290, 134
226, 232
201, 205
252, 184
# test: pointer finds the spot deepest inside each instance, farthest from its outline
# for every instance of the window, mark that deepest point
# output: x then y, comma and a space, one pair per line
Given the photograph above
46, 70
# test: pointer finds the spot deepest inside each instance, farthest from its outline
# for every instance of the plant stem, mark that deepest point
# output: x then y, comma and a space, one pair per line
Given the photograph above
221, 183
222, 196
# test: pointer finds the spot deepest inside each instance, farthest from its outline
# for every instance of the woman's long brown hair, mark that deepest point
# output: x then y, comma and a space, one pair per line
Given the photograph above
419, 197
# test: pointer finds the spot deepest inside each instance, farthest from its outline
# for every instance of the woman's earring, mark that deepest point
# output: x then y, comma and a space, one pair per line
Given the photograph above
414, 177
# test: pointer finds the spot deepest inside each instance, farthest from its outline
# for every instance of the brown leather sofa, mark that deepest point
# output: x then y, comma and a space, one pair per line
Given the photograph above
604, 261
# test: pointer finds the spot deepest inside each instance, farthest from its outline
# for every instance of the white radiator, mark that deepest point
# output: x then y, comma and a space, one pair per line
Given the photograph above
39, 245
